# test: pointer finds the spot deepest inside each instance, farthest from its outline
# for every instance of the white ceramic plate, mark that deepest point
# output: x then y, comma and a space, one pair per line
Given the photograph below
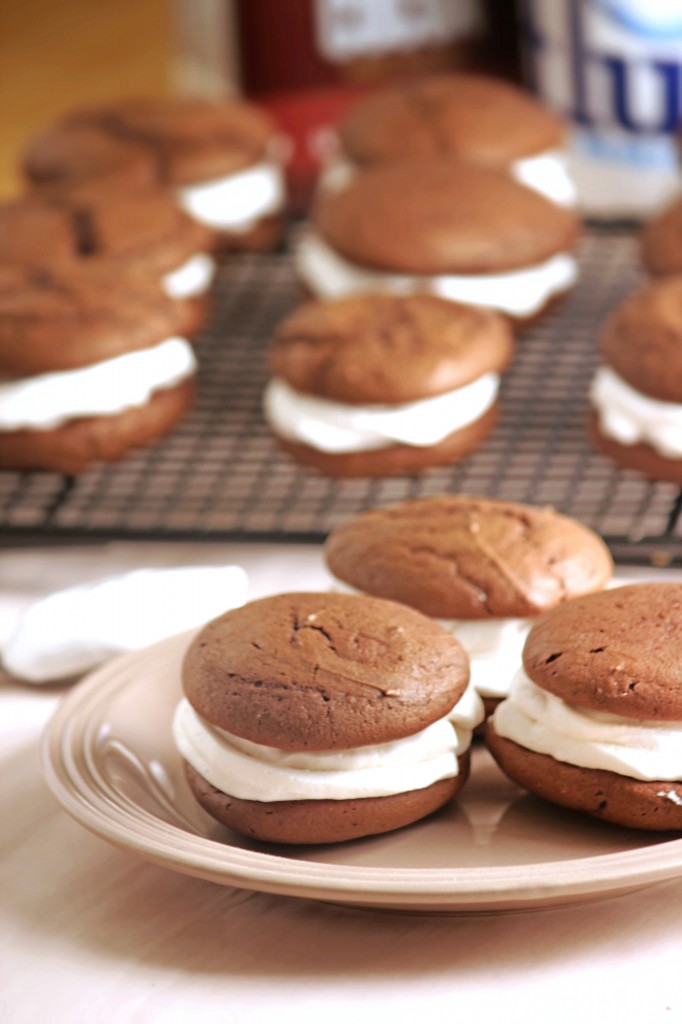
109, 759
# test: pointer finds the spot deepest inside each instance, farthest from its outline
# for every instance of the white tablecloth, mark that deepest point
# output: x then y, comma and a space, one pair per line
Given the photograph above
91, 933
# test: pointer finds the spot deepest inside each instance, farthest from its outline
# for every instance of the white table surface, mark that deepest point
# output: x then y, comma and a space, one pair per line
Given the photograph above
91, 933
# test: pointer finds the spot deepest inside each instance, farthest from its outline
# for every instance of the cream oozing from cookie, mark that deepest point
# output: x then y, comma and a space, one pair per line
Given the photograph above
518, 293
191, 278
544, 723
336, 427
238, 201
546, 173
494, 647
127, 381
252, 771
630, 417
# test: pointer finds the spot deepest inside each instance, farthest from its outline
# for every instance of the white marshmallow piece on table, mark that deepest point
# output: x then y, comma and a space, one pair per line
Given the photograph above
73, 630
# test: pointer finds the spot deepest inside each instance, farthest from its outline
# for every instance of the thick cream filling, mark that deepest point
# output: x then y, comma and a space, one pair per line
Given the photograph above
494, 647
106, 388
191, 278
252, 771
238, 201
545, 724
335, 427
629, 417
519, 292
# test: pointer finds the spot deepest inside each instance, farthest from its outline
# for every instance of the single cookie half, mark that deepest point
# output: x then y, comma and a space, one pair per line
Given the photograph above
636, 393
661, 241
221, 159
315, 718
484, 568
373, 385
475, 118
91, 366
441, 226
142, 234
594, 719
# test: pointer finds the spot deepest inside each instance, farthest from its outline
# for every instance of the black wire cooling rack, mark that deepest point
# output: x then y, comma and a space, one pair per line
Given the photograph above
221, 477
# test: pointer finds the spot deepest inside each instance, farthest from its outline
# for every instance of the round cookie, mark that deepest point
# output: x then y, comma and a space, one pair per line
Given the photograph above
636, 393
373, 385
594, 721
475, 118
92, 365
326, 695
661, 241
140, 234
220, 158
485, 568
466, 233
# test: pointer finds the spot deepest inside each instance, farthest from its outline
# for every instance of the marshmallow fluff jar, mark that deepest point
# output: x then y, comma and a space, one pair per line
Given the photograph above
636, 393
475, 118
375, 385
317, 718
92, 365
484, 569
593, 720
443, 227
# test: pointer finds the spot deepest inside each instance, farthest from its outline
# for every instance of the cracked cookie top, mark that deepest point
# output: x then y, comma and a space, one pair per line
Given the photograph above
619, 651
375, 349
461, 557
473, 117
309, 671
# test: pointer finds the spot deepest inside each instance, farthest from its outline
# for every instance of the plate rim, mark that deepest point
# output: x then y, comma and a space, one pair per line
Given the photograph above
483, 889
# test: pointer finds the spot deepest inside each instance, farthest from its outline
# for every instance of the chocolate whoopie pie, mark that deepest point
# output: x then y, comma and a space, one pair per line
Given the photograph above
142, 235
316, 718
441, 226
485, 569
476, 118
636, 394
91, 366
661, 241
220, 158
374, 385
594, 720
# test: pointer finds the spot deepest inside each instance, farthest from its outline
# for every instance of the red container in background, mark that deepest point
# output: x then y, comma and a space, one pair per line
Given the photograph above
307, 61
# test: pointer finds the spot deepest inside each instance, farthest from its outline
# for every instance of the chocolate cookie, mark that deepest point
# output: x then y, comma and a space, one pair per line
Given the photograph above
372, 385
636, 393
594, 722
219, 158
485, 568
91, 366
322, 692
661, 241
475, 118
144, 235
470, 234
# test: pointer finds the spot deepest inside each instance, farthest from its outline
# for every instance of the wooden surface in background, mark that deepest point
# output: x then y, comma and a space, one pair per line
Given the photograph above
58, 53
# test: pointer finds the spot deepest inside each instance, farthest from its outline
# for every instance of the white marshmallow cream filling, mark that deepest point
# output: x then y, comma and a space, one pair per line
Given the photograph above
541, 722
128, 381
335, 427
629, 417
518, 293
252, 771
238, 201
193, 277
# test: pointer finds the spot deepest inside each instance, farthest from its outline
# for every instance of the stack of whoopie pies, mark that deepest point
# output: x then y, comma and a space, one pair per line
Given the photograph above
106, 266
448, 190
